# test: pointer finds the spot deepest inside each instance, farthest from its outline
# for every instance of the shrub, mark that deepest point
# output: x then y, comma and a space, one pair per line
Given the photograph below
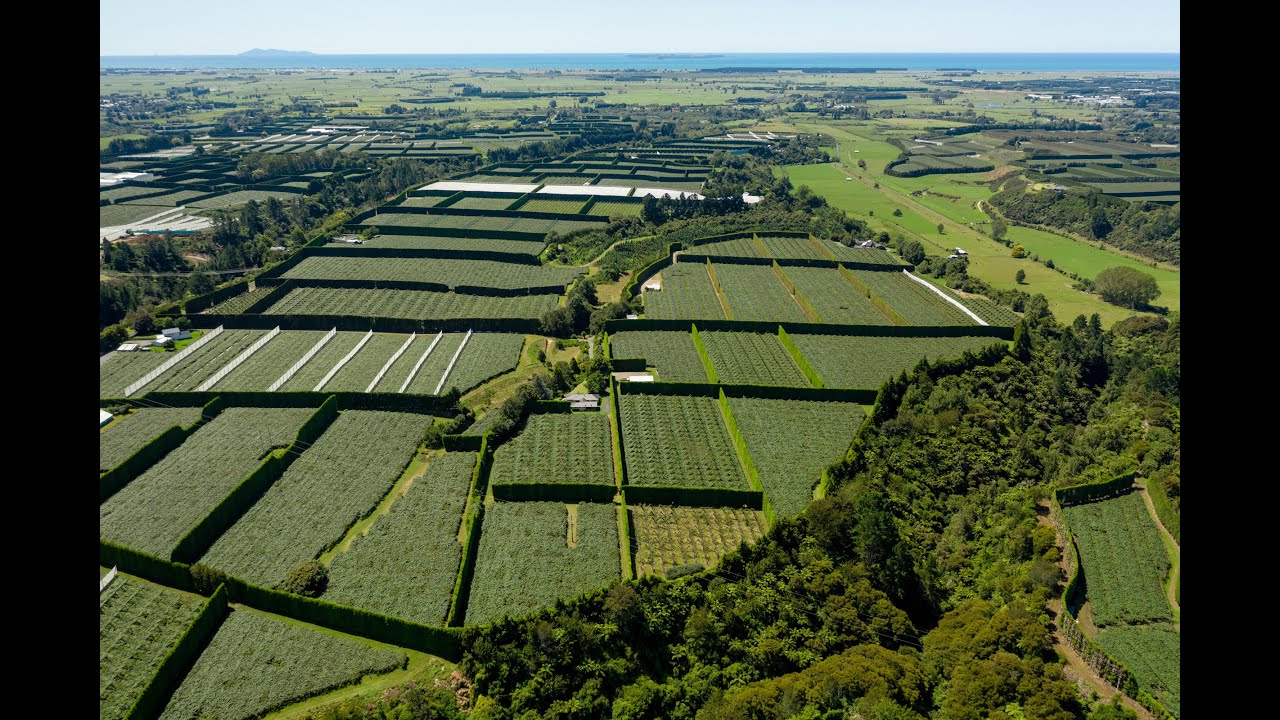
309, 579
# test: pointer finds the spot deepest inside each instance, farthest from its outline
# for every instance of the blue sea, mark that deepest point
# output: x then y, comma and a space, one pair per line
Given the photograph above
984, 62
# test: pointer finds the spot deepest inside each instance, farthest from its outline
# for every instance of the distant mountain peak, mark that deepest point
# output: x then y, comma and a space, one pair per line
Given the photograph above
275, 53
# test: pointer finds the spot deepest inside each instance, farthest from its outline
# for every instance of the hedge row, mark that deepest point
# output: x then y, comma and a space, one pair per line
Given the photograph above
145, 565
543, 407
349, 283
117, 477
868, 293
774, 392
628, 364
693, 497
203, 302
360, 323
653, 268
463, 443
175, 665
798, 296
801, 361
231, 508
1089, 492
472, 526
704, 356
555, 492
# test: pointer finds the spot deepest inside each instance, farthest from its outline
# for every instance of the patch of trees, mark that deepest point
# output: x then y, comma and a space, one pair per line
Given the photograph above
1146, 228
260, 167
127, 146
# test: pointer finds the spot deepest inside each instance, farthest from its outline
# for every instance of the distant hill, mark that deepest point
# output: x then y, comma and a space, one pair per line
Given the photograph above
271, 52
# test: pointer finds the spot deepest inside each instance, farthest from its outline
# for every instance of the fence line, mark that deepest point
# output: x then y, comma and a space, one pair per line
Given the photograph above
387, 367
449, 369
334, 371
414, 371
235, 363
305, 358
946, 297
182, 355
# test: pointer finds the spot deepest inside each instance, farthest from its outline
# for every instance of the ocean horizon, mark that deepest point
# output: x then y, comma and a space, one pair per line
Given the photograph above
982, 62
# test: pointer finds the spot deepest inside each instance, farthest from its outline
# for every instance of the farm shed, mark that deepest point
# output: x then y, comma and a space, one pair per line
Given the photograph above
174, 333
104, 417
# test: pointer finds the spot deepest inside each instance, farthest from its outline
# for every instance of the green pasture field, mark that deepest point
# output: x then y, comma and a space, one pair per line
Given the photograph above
989, 260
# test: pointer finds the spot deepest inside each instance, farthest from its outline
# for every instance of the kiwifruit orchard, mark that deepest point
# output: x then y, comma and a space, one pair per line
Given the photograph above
444, 371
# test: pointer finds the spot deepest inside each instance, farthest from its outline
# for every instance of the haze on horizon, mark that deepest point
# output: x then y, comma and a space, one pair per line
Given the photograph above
660, 26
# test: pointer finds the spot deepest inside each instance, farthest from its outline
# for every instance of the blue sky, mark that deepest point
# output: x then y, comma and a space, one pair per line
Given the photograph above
164, 27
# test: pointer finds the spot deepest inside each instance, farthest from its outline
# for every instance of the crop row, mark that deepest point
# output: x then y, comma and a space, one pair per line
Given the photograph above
240, 303
918, 305
531, 555
866, 362
678, 441
408, 304
754, 292
1153, 655
791, 442
205, 361
127, 435
270, 361
451, 272
331, 485
426, 242
138, 624
157, 508
834, 298
670, 536
751, 358
486, 355
686, 295
483, 222
558, 448
670, 352
257, 663
407, 564
1123, 560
